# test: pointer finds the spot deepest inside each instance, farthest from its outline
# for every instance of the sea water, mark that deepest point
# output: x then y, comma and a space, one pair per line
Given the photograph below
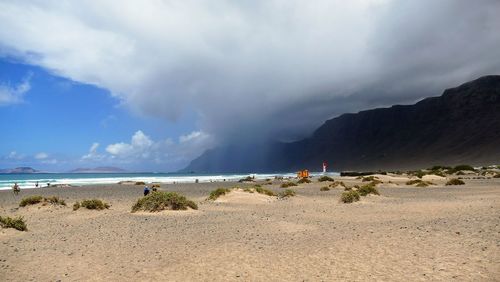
81, 179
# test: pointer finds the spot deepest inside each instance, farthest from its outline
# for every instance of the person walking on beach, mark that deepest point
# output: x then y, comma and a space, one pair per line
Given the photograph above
16, 189
146, 190
36, 184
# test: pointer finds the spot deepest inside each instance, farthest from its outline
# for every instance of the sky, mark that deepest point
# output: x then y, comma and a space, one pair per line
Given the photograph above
150, 85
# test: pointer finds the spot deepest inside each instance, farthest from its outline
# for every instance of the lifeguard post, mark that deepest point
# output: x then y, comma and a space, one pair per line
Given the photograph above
303, 174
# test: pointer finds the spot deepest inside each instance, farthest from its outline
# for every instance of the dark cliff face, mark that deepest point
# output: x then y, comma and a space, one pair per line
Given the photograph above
461, 126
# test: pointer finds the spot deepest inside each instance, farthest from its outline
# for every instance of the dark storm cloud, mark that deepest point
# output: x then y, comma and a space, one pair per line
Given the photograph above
259, 69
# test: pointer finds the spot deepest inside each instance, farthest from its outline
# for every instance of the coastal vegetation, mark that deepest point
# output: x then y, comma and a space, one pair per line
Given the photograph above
140, 183
217, 193
92, 204
246, 179
288, 184
454, 181
324, 188
160, 201
304, 180
286, 194
368, 189
35, 199
264, 191
349, 196
17, 223
419, 183
325, 178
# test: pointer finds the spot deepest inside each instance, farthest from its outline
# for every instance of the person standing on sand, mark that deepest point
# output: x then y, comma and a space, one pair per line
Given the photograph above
146, 190
36, 184
16, 189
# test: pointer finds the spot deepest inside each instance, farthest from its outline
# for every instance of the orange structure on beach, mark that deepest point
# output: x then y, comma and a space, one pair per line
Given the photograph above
303, 174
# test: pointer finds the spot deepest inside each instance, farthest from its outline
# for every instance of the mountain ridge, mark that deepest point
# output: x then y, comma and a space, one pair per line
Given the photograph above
460, 126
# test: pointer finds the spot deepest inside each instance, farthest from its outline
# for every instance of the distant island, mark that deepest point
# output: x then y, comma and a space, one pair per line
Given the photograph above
23, 169
102, 169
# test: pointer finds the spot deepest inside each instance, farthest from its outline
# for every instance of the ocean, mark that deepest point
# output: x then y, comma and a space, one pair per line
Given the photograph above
80, 179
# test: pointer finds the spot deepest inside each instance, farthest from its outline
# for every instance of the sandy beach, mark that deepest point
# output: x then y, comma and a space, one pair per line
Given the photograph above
407, 233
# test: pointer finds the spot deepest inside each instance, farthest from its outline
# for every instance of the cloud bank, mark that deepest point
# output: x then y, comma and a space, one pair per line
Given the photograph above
255, 69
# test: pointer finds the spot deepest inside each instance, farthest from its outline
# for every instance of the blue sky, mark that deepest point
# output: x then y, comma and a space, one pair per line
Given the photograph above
150, 85
61, 118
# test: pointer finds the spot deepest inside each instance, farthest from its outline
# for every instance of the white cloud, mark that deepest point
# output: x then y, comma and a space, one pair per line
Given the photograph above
14, 94
13, 155
41, 156
172, 155
93, 155
256, 69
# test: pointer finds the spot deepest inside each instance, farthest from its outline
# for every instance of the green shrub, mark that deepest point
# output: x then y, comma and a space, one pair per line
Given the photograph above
325, 178
288, 184
369, 178
140, 183
54, 200
163, 201
16, 223
455, 181
438, 173
246, 179
463, 167
349, 196
93, 204
304, 180
286, 194
325, 188
31, 200
76, 206
217, 193
264, 191
368, 189
248, 190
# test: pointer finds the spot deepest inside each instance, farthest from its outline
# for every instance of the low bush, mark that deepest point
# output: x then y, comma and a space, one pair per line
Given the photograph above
304, 180
288, 184
246, 179
349, 196
369, 178
454, 181
325, 188
264, 191
159, 201
93, 204
31, 200
155, 186
419, 182
368, 189
54, 200
325, 178
496, 175
16, 223
463, 167
140, 183
286, 194
217, 193
423, 184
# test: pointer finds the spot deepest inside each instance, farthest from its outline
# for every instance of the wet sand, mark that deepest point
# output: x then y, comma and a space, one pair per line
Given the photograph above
407, 233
